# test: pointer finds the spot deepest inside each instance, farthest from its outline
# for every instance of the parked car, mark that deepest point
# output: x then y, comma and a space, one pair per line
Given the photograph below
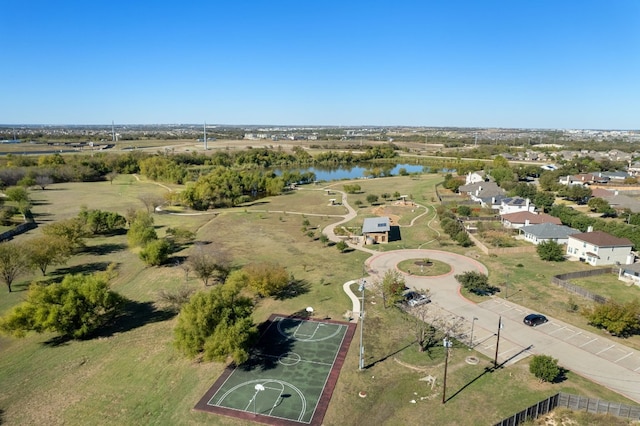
413, 298
534, 319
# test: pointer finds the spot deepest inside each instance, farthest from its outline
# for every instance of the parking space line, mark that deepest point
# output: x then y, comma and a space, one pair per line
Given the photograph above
604, 350
506, 310
577, 334
621, 358
557, 329
592, 340
636, 369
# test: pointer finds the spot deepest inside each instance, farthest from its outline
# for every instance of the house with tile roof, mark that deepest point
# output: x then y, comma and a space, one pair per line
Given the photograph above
542, 232
525, 218
599, 248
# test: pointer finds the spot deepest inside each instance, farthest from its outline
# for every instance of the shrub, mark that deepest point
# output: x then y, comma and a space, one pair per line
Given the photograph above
545, 368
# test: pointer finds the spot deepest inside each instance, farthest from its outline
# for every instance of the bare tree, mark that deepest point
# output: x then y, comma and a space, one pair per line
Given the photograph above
210, 263
43, 181
151, 201
111, 176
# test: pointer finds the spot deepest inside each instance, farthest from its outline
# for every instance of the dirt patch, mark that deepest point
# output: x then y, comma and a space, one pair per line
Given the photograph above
394, 219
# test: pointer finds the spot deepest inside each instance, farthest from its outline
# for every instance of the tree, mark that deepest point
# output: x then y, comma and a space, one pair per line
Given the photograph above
544, 200
323, 239
393, 286
545, 368
75, 308
475, 282
211, 263
464, 211
551, 251
372, 198
621, 319
141, 231
47, 250
43, 181
156, 252
217, 325
17, 194
266, 279
151, 201
13, 262
111, 176
341, 246
102, 222
71, 230
598, 205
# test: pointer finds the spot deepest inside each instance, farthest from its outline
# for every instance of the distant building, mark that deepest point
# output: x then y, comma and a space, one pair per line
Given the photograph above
598, 248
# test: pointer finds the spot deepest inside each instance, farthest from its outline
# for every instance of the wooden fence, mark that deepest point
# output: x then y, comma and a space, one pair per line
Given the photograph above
562, 281
572, 402
502, 250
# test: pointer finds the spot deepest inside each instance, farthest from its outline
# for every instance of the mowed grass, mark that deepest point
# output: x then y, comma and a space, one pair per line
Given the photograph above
131, 374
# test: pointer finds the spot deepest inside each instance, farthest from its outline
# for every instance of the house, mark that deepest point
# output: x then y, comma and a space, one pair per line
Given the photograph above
475, 177
630, 273
477, 191
519, 219
376, 230
598, 248
542, 232
515, 204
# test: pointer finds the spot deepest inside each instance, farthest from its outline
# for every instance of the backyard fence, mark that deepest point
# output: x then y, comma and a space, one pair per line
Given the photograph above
562, 281
502, 250
572, 402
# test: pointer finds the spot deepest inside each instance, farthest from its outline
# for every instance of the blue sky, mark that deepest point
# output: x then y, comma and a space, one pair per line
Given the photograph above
484, 63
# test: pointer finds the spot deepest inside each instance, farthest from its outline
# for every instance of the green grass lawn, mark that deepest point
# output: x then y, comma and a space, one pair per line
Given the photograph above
417, 267
133, 375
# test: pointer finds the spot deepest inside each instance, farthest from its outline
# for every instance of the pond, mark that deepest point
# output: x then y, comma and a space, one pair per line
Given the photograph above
359, 172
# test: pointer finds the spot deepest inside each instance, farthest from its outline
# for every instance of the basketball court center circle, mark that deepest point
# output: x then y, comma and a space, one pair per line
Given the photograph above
289, 359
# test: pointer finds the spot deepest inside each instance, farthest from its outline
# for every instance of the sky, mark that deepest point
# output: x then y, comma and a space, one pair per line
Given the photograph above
550, 64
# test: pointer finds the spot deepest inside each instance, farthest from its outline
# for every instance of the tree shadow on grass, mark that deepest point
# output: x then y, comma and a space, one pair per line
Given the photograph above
133, 315
86, 268
103, 249
273, 347
294, 289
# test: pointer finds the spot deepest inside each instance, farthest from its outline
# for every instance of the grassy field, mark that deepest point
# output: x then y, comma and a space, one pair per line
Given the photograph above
130, 374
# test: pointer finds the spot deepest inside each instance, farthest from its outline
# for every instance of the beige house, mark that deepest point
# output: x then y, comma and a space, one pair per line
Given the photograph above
375, 230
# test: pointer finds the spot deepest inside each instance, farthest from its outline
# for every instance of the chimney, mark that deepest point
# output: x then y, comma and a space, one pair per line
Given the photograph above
527, 203
493, 201
526, 222
590, 228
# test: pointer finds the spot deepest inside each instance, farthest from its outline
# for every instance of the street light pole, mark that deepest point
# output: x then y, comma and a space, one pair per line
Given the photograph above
447, 344
361, 362
471, 338
495, 360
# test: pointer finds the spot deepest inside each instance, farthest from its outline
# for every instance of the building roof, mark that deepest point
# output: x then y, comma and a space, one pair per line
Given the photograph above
482, 189
376, 224
549, 230
602, 193
602, 239
533, 218
634, 267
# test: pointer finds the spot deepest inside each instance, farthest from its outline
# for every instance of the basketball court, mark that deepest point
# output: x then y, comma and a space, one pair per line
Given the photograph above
289, 378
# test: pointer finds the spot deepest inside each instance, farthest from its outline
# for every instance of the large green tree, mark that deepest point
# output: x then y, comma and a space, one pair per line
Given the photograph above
217, 325
545, 368
75, 308
622, 319
141, 230
550, 250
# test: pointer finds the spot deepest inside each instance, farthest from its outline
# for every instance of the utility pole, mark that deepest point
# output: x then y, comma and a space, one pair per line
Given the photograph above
361, 360
446, 342
495, 360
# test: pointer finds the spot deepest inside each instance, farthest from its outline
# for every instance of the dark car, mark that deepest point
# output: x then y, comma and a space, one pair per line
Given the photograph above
413, 298
534, 319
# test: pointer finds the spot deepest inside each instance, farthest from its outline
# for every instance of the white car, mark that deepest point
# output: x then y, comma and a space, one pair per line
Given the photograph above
413, 298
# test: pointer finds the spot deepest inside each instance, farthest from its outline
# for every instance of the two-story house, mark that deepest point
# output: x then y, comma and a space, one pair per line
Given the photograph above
599, 248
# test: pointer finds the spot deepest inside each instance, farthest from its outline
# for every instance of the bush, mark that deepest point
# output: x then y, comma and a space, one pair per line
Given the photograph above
545, 368
617, 318
156, 252
550, 251
476, 282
